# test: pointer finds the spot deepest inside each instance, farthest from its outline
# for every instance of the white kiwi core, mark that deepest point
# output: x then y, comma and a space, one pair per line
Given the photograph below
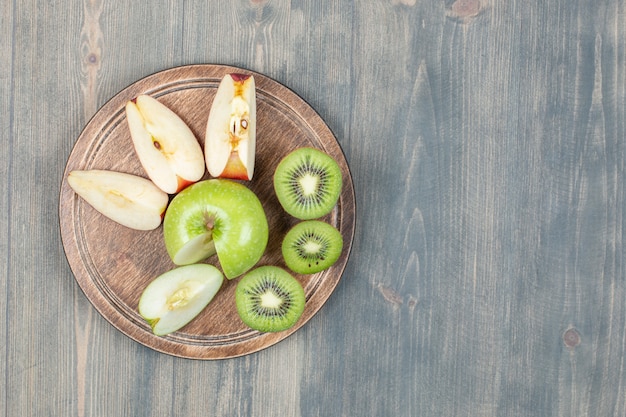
309, 184
270, 300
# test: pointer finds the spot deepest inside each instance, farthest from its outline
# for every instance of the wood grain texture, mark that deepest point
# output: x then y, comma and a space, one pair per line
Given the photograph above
6, 118
487, 145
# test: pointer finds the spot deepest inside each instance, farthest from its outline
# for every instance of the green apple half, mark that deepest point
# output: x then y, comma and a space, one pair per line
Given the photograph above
176, 297
216, 216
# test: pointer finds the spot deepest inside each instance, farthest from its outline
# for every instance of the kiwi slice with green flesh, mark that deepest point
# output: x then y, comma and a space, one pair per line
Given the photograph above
311, 246
269, 299
307, 183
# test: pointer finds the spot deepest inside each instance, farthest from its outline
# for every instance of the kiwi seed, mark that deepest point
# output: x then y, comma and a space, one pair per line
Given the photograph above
307, 183
311, 246
269, 299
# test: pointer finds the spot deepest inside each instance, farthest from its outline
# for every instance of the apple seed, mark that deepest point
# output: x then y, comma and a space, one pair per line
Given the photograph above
178, 299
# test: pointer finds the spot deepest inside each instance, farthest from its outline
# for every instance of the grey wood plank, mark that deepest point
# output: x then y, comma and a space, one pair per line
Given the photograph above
36, 280
471, 203
6, 74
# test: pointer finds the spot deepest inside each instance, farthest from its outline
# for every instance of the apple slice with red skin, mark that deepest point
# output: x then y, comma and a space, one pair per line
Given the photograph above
129, 200
230, 140
167, 148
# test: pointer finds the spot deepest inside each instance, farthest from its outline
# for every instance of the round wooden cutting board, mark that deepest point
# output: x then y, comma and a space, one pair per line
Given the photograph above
113, 264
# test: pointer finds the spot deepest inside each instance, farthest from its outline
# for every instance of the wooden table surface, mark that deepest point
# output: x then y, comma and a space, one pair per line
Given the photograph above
487, 143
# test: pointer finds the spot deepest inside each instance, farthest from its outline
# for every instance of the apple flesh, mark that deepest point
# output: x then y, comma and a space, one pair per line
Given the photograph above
167, 148
230, 141
176, 297
129, 200
216, 216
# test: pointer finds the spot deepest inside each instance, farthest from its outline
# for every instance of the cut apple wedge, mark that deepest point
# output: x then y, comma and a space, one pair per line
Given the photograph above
129, 200
229, 146
167, 148
176, 297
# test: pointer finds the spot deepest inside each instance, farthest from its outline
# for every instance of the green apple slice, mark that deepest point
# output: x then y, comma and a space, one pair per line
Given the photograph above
197, 249
220, 211
176, 297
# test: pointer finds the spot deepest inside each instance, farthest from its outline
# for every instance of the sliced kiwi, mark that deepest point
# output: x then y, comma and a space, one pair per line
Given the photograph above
307, 183
269, 299
311, 246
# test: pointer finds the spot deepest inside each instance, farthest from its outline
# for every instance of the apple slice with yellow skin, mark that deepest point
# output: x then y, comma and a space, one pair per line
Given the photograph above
229, 146
129, 200
167, 148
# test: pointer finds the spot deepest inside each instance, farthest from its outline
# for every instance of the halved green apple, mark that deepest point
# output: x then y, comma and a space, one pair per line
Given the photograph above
229, 146
216, 215
129, 200
167, 148
177, 296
